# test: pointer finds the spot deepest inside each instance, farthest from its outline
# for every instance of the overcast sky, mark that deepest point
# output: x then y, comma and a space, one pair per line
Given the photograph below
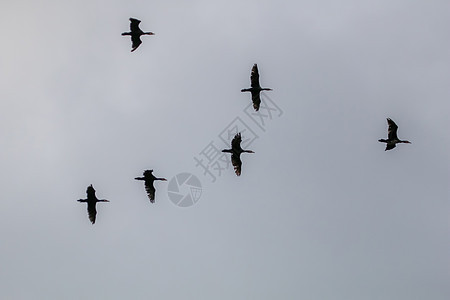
320, 211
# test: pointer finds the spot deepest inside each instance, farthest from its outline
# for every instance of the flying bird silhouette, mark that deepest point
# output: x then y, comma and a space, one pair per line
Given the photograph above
91, 202
149, 178
255, 88
236, 151
135, 33
392, 139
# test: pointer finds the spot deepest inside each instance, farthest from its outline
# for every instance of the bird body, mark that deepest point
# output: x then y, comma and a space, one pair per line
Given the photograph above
91, 203
236, 151
148, 179
135, 33
392, 139
255, 88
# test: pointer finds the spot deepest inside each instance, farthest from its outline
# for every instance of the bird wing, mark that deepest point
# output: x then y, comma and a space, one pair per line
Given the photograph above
254, 77
136, 40
150, 189
237, 163
256, 99
134, 25
236, 142
392, 130
90, 191
92, 212
389, 146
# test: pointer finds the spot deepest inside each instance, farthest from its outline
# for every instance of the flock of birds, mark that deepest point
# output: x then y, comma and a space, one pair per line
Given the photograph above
236, 149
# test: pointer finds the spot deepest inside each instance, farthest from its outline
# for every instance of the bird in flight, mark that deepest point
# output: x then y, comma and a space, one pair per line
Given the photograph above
149, 178
236, 151
392, 139
91, 202
255, 88
135, 33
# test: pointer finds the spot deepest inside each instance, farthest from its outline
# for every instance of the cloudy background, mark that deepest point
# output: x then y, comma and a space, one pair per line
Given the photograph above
321, 211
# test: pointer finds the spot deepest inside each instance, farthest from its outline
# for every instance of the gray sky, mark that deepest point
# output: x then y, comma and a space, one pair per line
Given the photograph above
321, 211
